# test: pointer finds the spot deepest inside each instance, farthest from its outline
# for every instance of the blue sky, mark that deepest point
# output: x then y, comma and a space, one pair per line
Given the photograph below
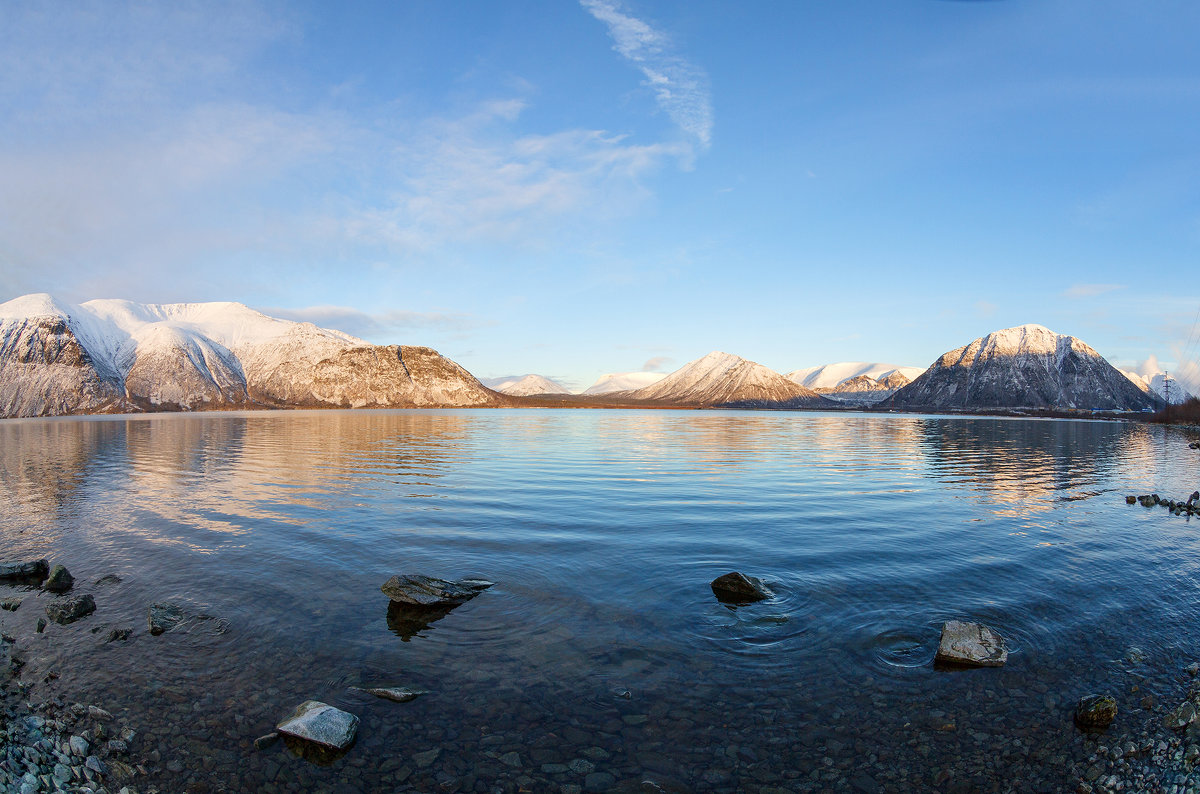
576, 188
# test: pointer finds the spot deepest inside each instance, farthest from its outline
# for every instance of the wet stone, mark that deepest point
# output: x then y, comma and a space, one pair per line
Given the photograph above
394, 693
321, 724
1095, 711
59, 580
265, 741
429, 591
737, 588
424, 759
24, 571
68, 610
10, 604
164, 616
1181, 717
970, 645
118, 635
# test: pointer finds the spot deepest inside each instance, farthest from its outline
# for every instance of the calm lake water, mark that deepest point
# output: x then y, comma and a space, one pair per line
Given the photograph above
601, 658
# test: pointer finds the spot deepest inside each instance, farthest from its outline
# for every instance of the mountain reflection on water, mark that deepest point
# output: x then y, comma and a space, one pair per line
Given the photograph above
602, 641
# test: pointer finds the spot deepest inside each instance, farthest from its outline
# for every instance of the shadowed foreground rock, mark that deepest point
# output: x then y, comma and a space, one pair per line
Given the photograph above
737, 588
69, 610
429, 591
318, 722
970, 645
1095, 712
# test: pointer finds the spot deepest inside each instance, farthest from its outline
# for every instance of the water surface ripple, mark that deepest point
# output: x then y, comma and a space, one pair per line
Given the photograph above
602, 530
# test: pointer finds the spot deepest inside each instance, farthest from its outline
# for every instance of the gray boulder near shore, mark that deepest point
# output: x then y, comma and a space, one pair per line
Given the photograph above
737, 588
60, 580
429, 591
1095, 712
69, 610
314, 721
970, 645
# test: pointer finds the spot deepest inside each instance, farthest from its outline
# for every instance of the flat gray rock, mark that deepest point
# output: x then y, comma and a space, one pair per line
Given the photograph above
320, 723
970, 645
397, 693
429, 591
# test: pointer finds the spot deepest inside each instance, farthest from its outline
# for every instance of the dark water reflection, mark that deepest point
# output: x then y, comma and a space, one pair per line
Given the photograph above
601, 640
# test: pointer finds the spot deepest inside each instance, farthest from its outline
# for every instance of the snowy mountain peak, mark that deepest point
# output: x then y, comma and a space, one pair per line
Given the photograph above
623, 381
527, 386
1156, 384
1028, 366
830, 376
725, 379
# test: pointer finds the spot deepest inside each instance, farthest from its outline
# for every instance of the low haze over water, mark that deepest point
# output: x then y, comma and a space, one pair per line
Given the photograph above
601, 650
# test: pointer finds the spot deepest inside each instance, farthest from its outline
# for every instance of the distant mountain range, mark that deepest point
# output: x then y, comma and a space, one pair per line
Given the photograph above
1157, 385
108, 356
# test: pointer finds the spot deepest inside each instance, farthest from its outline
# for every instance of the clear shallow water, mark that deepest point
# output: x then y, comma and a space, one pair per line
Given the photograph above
601, 640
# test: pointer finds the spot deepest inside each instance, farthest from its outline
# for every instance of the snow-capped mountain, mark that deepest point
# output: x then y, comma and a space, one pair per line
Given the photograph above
1156, 384
830, 376
855, 382
726, 379
115, 355
526, 385
1028, 366
623, 381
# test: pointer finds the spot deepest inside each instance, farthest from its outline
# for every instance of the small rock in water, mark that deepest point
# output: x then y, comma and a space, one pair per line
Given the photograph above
1192, 669
970, 645
397, 693
1183, 716
163, 617
108, 578
429, 591
1095, 711
24, 571
1130, 500
41, 625
118, 634
737, 588
320, 723
1135, 655
263, 742
59, 581
97, 713
68, 610
1195, 497
10, 604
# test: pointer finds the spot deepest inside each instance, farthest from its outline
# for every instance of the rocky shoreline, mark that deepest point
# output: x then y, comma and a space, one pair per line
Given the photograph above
48, 743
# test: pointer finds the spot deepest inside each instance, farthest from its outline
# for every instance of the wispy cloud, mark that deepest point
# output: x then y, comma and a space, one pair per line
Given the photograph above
1090, 290
656, 364
378, 325
680, 88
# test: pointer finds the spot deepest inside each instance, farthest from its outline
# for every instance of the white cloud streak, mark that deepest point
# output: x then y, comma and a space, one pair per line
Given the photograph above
680, 88
374, 325
1090, 290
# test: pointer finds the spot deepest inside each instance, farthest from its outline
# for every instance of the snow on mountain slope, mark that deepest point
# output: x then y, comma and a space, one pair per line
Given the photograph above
527, 385
1156, 384
1028, 366
830, 376
623, 381
725, 379
60, 358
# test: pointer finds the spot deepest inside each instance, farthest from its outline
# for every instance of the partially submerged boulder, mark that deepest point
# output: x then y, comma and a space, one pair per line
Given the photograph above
398, 694
59, 581
164, 616
970, 645
69, 610
429, 591
320, 723
1095, 712
737, 588
36, 571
